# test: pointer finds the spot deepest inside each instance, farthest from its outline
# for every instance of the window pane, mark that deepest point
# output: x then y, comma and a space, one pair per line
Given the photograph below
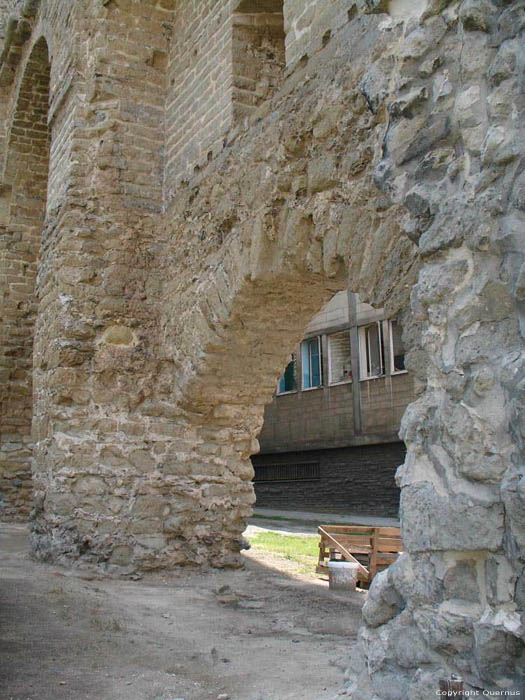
398, 351
340, 363
315, 363
311, 363
305, 357
288, 380
374, 354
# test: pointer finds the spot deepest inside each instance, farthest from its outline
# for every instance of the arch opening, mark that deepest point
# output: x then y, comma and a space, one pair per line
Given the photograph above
330, 437
24, 198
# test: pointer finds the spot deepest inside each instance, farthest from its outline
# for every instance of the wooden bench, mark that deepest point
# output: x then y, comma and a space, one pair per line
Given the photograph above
372, 548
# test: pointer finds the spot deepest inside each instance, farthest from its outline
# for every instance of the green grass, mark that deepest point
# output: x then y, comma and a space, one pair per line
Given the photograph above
302, 549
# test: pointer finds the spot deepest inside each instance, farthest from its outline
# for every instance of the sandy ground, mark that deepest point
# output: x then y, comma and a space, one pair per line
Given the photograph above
260, 633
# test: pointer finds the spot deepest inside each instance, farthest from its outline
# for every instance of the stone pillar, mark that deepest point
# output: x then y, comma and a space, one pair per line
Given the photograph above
453, 602
95, 358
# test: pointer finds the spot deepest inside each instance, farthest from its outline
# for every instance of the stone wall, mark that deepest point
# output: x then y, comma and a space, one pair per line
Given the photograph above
309, 25
225, 59
26, 177
258, 59
199, 108
392, 157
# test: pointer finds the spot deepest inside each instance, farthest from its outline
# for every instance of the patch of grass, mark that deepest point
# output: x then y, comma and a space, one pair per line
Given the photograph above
302, 549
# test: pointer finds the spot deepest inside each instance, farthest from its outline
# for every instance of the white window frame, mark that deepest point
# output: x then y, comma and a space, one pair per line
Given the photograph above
319, 349
363, 348
290, 391
342, 381
392, 370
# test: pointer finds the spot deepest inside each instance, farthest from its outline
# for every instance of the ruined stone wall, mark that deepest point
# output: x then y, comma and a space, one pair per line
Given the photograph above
309, 25
394, 152
24, 184
225, 59
5, 11
199, 108
258, 60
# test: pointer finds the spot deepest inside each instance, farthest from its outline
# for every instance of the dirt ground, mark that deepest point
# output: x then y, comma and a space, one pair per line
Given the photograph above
260, 633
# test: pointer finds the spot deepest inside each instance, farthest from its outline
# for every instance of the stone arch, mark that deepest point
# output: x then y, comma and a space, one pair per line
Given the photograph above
254, 316
25, 181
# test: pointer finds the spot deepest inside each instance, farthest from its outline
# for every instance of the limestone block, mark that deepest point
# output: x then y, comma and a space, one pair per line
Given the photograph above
461, 581
416, 579
469, 522
501, 580
372, 6
121, 555
513, 495
406, 645
518, 193
425, 682
448, 628
470, 107
89, 485
410, 138
475, 15
422, 38
375, 83
383, 602
322, 173
474, 57
500, 146
497, 651
142, 460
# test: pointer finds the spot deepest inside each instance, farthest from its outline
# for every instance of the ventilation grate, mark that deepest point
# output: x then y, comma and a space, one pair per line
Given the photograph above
301, 471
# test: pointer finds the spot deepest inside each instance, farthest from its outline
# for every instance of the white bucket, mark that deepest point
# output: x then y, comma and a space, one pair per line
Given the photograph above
342, 575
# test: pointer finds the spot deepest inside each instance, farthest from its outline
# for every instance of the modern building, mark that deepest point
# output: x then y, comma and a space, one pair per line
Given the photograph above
330, 436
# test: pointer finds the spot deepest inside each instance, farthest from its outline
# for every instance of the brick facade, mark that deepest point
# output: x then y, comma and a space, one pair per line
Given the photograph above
357, 480
314, 422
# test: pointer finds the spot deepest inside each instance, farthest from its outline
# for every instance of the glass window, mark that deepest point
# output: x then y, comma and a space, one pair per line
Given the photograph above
371, 351
398, 351
288, 380
339, 357
311, 359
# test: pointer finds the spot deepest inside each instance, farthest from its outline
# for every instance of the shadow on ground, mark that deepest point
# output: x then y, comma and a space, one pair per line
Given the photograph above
253, 634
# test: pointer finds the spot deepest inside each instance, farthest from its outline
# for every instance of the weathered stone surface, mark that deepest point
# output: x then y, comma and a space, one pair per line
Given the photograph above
383, 602
197, 209
424, 510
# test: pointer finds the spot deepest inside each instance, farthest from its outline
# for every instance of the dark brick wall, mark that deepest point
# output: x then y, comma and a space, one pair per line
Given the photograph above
357, 479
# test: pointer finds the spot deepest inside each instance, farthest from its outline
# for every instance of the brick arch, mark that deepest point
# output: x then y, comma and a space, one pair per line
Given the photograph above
25, 180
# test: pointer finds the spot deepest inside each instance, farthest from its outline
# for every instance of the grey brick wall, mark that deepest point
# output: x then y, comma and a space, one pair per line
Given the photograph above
323, 417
